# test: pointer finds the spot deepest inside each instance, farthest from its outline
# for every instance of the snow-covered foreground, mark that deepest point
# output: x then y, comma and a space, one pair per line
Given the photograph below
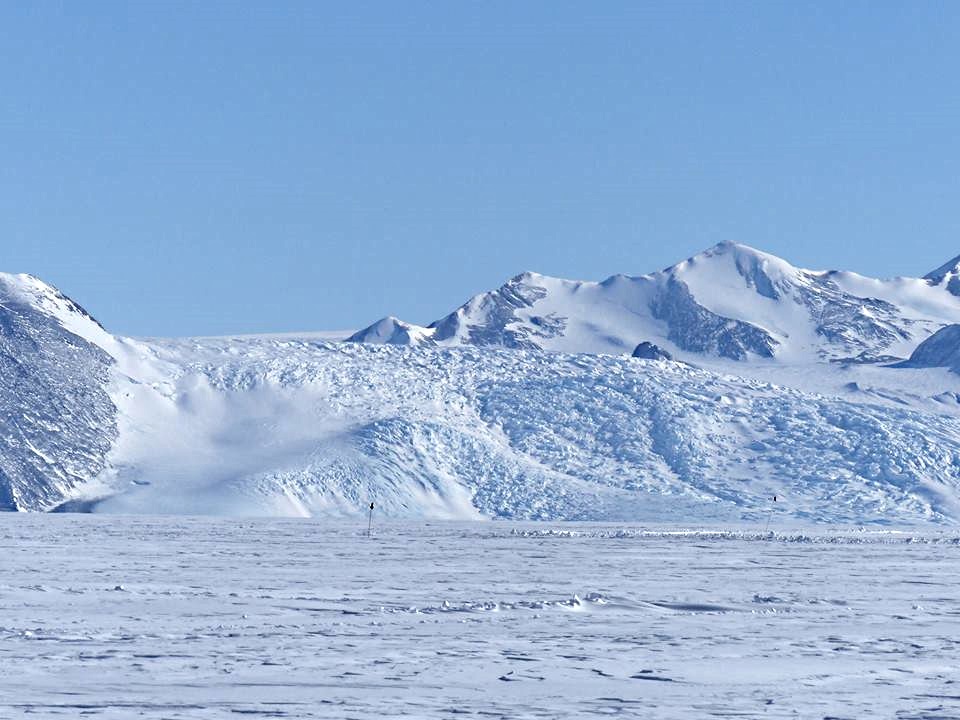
120, 617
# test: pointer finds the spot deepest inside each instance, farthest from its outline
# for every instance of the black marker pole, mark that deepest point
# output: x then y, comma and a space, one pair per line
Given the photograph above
370, 520
769, 515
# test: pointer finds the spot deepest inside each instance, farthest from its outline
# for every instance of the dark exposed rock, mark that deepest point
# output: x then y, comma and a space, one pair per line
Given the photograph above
649, 351
695, 329
499, 309
57, 422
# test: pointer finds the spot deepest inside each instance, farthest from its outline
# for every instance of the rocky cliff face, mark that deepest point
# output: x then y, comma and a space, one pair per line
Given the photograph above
58, 421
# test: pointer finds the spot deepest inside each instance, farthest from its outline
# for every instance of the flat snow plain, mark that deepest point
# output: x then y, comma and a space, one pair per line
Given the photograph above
129, 617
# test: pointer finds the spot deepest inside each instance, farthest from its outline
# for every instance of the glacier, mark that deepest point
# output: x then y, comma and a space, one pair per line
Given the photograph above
525, 403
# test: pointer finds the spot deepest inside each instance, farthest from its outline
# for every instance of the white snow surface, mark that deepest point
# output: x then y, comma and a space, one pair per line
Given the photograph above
197, 618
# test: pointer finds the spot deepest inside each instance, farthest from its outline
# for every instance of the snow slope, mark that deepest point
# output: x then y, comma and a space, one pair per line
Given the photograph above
286, 425
940, 350
730, 302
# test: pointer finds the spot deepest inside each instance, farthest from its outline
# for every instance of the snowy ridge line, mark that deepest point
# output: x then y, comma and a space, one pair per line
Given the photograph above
730, 302
866, 537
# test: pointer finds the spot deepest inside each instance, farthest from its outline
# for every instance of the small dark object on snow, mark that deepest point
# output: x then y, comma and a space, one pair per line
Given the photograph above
769, 515
649, 351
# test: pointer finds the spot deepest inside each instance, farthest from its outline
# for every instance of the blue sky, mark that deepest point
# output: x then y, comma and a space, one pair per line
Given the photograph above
207, 168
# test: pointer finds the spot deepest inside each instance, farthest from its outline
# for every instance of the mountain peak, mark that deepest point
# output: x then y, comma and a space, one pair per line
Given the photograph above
731, 246
730, 301
949, 272
525, 277
746, 258
741, 251
951, 267
391, 330
30, 291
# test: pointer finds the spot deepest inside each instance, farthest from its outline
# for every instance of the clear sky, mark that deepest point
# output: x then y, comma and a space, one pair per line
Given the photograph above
209, 168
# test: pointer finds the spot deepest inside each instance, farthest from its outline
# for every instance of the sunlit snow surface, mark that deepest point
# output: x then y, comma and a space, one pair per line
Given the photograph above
122, 617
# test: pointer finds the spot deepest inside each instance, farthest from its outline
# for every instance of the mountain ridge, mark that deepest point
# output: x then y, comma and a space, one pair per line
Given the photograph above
730, 301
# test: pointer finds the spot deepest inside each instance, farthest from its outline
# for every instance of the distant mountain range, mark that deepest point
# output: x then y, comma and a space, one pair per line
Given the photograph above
730, 301
693, 395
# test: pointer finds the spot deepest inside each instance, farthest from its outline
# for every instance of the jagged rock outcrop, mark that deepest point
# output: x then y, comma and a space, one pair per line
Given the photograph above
57, 421
649, 351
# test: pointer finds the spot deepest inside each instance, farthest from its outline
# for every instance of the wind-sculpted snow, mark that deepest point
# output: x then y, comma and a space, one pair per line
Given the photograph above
58, 421
844, 536
207, 618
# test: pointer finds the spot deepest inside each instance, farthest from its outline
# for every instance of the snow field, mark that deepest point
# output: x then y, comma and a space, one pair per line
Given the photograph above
119, 617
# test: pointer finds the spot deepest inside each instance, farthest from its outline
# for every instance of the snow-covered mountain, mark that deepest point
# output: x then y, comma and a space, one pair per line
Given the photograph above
470, 418
730, 302
946, 276
940, 350
58, 422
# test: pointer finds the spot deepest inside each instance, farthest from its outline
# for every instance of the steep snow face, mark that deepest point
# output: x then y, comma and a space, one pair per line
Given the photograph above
940, 350
30, 294
58, 421
730, 302
946, 276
